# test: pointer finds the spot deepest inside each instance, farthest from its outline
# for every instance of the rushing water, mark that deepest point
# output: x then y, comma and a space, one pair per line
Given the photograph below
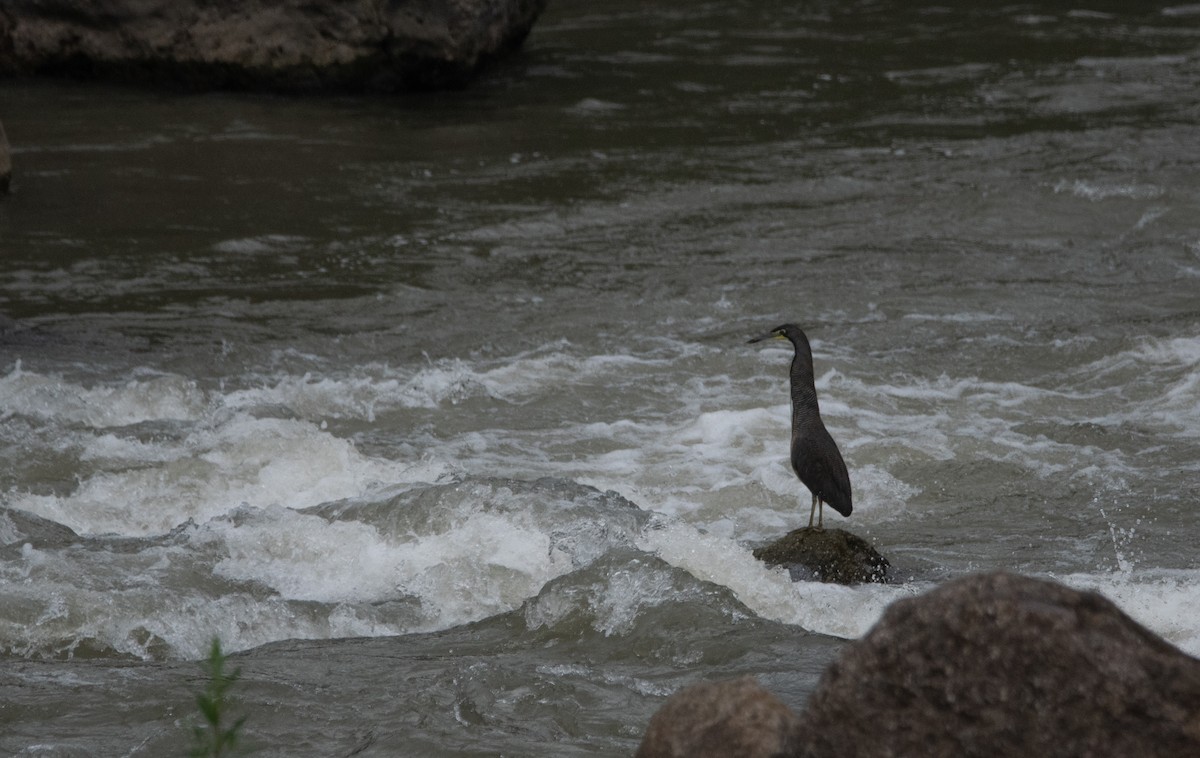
439, 408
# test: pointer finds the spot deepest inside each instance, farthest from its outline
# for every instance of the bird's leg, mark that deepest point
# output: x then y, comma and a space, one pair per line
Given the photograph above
812, 512
820, 514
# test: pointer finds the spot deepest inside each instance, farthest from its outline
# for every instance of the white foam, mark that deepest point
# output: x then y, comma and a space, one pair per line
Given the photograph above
139, 619
615, 604
260, 462
1096, 191
370, 390
967, 317
630, 592
474, 557
947, 388
1163, 601
374, 388
877, 490
165, 397
1157, 382
472, 562
305, 557
1181, 10
714, 461
1179, 351
486, 564
265, 243
112, 450
590, 106
532, 373
836, 610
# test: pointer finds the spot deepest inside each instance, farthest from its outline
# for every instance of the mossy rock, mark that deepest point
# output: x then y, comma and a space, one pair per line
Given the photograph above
826, 555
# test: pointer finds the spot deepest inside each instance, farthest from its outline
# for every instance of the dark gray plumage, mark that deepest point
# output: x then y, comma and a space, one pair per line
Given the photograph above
815, 456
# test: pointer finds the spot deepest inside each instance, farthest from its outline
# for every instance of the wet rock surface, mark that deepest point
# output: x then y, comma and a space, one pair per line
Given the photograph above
290, 45
989, 665
736, 717
1005, 665
827, 555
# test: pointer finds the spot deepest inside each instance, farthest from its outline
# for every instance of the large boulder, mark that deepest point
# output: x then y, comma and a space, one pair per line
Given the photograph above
994, 666
826, 555
1004, 665
735, 718
285, 45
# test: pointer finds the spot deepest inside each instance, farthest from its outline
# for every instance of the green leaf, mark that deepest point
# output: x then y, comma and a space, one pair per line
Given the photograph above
213, 741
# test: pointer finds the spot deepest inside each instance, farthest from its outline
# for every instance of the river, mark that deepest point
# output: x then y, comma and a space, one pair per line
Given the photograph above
437, 409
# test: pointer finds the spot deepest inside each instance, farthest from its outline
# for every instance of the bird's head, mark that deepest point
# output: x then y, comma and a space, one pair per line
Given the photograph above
789, 332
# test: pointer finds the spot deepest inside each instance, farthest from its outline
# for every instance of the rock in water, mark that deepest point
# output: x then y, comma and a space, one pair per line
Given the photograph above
1004, 665
290, 45
730, 719
827, 555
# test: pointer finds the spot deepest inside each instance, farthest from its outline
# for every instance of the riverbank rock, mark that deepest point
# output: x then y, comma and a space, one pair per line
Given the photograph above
5, 162
286, 45
994, 666
735, 718
1005, 665
827, 555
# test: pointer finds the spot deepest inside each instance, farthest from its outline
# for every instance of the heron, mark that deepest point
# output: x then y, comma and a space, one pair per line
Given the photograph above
815, 456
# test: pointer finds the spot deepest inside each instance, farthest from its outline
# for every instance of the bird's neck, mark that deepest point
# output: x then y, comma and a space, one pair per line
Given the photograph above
804, 391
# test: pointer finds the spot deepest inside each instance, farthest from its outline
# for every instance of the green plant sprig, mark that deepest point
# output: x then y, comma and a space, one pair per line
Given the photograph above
214, 739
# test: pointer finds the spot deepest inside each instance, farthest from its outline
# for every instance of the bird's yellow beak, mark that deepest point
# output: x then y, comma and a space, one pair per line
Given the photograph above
767, 336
